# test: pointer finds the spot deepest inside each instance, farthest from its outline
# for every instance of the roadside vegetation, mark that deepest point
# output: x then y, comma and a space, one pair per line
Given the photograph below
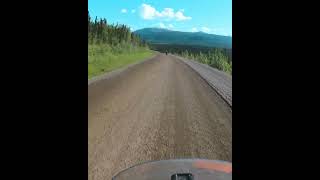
112, 46
220, 58
215, 58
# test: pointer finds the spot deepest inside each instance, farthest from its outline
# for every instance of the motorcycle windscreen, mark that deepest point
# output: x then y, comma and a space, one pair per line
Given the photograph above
178, 169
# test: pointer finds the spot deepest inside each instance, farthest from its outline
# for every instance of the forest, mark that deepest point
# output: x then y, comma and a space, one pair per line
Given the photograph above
111, 46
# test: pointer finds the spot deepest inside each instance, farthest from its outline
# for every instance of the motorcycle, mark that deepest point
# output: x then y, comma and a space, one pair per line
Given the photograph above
178, 169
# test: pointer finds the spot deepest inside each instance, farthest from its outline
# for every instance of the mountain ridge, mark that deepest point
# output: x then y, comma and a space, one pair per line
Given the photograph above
166, 36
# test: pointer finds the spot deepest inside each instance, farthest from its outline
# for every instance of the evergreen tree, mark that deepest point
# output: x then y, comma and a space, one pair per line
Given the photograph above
101, 32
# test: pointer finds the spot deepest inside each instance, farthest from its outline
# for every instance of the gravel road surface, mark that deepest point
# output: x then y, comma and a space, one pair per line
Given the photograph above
220, 81
155, 110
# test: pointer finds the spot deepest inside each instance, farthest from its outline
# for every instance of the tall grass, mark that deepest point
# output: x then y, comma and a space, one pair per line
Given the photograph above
104, 58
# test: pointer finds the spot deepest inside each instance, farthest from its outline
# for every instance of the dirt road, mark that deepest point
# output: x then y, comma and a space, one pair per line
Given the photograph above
159, 109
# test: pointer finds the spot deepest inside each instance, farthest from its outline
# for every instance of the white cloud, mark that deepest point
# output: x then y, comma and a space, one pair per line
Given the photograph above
162, 25
194, 30
169, 26
123, 10
205, 29
148, 12
181, 17
167, 12
133, 11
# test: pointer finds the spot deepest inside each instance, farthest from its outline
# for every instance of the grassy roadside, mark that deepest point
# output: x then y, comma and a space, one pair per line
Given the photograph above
103, 58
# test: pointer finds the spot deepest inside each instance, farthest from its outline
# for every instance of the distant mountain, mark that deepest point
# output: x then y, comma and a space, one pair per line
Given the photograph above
165, 36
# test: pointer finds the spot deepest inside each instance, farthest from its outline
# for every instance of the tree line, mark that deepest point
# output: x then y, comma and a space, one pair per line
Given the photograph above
191, 49
99, 31
216, 58
219, 58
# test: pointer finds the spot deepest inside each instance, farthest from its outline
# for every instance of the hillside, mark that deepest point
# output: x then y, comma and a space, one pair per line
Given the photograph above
165, 36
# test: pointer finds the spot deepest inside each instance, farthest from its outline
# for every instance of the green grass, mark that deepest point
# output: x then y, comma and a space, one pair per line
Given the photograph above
103, 58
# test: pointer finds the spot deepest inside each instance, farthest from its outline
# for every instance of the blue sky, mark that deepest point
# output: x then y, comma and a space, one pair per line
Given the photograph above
211, 16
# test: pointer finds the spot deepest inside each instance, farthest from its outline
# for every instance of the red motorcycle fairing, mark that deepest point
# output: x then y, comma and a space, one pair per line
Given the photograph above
184, 169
